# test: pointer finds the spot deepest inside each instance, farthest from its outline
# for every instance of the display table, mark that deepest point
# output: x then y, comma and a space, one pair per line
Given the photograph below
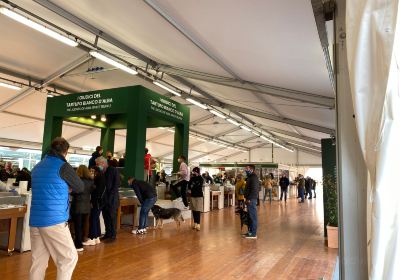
12, 214
125, 202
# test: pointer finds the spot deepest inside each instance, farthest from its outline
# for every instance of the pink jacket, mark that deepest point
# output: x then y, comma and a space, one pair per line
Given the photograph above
184, 172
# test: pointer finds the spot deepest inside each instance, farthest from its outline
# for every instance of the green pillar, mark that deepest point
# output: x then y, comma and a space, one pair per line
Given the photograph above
52, 129
181, 144
135, 143
328, 150
107, 139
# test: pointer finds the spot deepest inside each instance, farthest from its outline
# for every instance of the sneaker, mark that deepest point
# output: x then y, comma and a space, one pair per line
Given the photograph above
97, 240
251, 236
244, 234
79, 249
198, 227
138, 231
90, 242
194, 226
185, 208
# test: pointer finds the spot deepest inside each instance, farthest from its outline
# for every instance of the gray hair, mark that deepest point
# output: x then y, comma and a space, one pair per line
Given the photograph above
101, 160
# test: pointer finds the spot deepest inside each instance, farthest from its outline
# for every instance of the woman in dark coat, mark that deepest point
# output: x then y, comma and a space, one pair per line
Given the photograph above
196, 196
97, 203
80, 206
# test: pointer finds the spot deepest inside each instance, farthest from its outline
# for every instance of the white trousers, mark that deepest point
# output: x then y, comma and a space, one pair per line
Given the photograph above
54, 241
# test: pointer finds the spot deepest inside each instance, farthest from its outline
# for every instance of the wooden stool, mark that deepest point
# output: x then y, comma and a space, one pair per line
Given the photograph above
214, 194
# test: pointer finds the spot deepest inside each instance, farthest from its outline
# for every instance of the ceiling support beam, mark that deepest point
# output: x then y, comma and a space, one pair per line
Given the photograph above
322, 10
27, 91
292, 134
90, 28
274, 91
269, 116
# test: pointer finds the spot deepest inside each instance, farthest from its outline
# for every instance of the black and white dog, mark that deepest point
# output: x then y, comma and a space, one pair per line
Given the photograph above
161, 214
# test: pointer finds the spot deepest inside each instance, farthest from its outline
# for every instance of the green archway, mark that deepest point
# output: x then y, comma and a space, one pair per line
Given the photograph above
134, 108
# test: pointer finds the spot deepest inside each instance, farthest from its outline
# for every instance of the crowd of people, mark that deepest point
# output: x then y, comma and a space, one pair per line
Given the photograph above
8, 171
61, 195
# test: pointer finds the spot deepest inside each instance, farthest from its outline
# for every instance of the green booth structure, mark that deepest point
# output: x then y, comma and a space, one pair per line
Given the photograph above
133, 108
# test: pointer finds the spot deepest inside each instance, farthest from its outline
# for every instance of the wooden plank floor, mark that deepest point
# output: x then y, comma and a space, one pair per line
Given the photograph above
290, 245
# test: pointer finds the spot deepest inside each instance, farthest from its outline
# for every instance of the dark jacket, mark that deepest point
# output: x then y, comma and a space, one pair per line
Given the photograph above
52, 178
143, 190
24, 176
92, 160
113, 181
97, 197
252, 187
284, 183
81, 202
301, 183
196, 186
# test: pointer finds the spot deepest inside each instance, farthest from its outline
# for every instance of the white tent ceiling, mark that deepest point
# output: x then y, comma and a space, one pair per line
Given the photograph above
272, 43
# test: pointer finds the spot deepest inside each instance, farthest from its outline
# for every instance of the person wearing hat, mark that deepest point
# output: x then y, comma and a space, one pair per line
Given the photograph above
196, 199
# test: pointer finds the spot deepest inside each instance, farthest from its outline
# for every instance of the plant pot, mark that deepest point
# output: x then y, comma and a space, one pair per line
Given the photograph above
333, 237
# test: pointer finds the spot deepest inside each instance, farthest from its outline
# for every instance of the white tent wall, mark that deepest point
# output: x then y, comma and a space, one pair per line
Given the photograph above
373, 32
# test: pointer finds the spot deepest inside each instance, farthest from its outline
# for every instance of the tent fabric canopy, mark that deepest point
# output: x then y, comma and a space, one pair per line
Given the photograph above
255, 43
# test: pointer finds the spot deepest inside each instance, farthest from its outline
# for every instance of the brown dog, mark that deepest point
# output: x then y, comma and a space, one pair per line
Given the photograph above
161, 214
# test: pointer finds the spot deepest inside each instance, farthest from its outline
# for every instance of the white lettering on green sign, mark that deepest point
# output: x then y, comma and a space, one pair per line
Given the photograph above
89, 102
166, 107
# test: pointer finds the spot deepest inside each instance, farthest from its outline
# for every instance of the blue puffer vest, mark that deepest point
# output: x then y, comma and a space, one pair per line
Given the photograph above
50, 205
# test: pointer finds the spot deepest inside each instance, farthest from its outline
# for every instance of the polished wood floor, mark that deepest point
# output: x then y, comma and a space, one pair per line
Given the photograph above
290, 245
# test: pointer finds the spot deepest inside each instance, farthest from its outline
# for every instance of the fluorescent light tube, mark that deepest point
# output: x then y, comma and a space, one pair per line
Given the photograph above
50, 95
233, 122
166, 88
218, 114
266, 139
245, 128
112, 62
161, 127
171, 130
38, 27
255, 133
202, 106
9, 86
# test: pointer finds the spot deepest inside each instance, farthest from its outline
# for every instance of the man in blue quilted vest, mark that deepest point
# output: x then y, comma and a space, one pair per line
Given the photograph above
52, 181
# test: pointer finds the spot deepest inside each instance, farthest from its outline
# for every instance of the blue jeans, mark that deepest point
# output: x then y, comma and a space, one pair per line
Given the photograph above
269, 192
144, 211
252, 208
301, 194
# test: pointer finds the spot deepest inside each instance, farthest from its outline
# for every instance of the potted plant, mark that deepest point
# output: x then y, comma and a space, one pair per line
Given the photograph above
332, 209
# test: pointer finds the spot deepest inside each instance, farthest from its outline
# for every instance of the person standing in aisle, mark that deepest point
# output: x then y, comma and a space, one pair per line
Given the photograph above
53, 178
96, 154
147, 165
267, 184
308, 185
313, 187
147, 196
251, 194
97, 201
284, 184
80, 206
111, 204
301, 186
183, 181
196, 196
239, 189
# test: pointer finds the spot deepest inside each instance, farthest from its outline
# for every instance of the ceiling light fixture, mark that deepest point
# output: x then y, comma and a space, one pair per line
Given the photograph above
245, 127
103, 118
255, 132
13, 87
38, 27
218, 114
171, 130
112, 62
161, 127
202, 106
93, 117
233, 122
50, 95
156, 82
